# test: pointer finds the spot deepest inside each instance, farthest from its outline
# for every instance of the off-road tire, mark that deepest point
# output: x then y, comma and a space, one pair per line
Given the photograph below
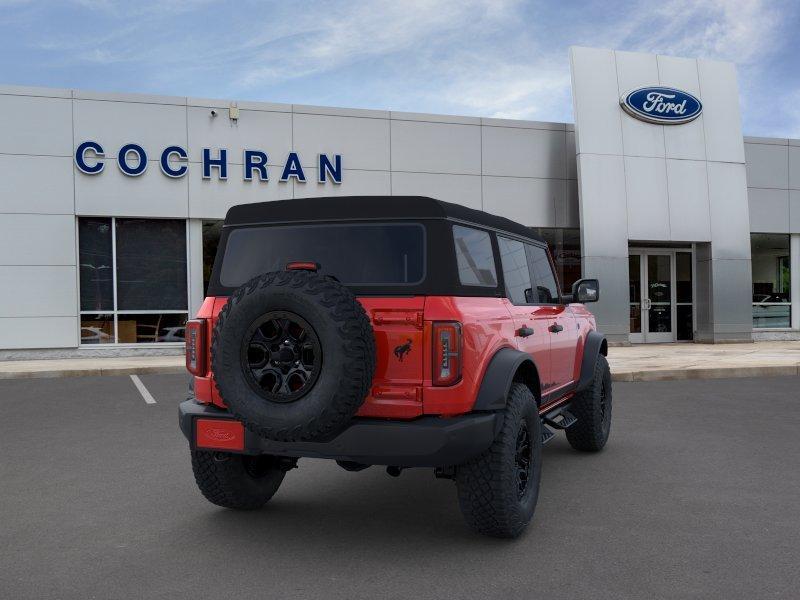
347, 346
592, 408
235, 480
488, 493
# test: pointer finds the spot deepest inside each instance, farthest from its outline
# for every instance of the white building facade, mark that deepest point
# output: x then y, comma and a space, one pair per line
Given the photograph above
110, 205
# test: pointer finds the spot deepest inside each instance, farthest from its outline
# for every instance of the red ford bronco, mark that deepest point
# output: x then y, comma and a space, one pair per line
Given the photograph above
395, 331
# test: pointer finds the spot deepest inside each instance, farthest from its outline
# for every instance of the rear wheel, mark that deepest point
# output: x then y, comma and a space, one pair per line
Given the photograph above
498, 490
236, 480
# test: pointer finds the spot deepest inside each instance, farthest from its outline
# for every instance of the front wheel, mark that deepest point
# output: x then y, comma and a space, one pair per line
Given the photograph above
498, 490
592, 407
236, 481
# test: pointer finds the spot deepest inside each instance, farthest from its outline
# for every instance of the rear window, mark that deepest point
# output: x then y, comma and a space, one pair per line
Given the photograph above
474, 257
356, 254
539, 263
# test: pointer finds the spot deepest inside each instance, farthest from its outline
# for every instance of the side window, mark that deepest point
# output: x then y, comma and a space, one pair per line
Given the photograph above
515, 270
546, 290
474, 256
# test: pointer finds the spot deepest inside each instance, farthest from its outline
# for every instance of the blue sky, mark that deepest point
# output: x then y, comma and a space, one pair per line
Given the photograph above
503, 58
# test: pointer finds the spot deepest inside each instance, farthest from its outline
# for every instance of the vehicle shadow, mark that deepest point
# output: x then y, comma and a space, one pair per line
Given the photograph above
322, 503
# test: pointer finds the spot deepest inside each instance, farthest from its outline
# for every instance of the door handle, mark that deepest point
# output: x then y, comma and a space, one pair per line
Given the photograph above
524, 331
555, 328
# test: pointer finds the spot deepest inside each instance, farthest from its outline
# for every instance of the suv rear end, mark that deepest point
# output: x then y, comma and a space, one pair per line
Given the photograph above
394, 267
429, 353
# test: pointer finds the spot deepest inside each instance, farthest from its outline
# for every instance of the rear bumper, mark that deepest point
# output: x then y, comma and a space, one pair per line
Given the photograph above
423, 442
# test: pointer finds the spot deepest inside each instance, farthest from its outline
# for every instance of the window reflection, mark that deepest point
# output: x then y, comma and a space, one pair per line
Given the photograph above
211, 233
97, 329
149, 282
565, 246
771, 280
515, 270
151, 328
151, 264
96, 264
474, 256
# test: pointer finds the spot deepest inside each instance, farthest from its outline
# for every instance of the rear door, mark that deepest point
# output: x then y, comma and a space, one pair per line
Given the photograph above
399, 340
561, 322
530, 321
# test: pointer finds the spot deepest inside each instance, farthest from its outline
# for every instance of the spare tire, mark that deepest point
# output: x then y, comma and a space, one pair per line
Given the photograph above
293, 355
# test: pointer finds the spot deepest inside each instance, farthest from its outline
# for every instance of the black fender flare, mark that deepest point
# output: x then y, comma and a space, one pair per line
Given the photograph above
500, 374
595, 345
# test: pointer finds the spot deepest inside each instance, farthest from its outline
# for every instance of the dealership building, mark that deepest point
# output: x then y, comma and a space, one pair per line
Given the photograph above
111, 204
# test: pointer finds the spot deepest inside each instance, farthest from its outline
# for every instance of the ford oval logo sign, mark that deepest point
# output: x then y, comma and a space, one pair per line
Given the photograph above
662, 105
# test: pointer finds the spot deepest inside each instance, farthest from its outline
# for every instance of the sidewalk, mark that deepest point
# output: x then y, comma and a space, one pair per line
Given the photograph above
655, 362
76, 367
660, 362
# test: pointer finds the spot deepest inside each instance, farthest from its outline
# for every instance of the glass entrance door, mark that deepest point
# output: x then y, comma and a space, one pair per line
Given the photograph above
660, 295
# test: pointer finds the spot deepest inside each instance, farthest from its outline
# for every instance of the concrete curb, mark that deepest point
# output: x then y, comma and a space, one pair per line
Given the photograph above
705, 373
92, 372
616, 375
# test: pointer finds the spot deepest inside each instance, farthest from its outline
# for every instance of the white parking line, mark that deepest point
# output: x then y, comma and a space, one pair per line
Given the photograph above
148, 397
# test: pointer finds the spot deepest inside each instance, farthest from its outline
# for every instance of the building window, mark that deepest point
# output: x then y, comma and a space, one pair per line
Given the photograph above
684, 294
771, 280
133, 280
565, 246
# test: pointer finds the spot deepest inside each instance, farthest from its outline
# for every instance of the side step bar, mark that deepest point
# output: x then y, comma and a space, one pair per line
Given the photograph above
560, 420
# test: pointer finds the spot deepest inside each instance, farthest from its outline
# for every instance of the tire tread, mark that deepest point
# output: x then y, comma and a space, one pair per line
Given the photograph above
225, 483
486, 485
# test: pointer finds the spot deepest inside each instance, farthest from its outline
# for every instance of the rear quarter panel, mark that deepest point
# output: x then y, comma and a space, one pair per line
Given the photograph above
586, 323
487, 326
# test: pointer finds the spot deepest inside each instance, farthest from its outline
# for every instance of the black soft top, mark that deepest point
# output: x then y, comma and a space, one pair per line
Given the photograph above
352, 208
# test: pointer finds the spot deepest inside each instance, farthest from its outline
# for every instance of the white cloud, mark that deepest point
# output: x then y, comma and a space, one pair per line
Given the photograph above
505, 58
736, 30
534, 91
356, 31
792, 102
742, 31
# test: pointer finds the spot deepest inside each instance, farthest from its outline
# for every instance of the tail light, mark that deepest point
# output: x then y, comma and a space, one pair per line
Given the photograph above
446, 352
196, 347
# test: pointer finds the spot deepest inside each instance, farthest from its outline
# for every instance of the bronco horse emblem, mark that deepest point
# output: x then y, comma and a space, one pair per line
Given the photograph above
401, 351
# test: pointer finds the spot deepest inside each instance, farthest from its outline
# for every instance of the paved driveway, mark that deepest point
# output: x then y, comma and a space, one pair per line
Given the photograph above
696, 496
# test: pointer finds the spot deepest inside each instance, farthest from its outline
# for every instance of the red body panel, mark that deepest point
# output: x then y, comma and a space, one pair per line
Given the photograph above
402, 387
487, 326
400, 342
219, 434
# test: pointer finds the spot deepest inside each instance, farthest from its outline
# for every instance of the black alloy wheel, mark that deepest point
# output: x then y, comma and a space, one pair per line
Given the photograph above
281, 356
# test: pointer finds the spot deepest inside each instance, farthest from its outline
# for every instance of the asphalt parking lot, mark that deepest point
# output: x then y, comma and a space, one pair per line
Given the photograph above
697, 495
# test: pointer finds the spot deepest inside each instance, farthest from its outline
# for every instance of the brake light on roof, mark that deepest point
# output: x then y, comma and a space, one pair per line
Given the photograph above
446, 352
196, 347
302, 265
